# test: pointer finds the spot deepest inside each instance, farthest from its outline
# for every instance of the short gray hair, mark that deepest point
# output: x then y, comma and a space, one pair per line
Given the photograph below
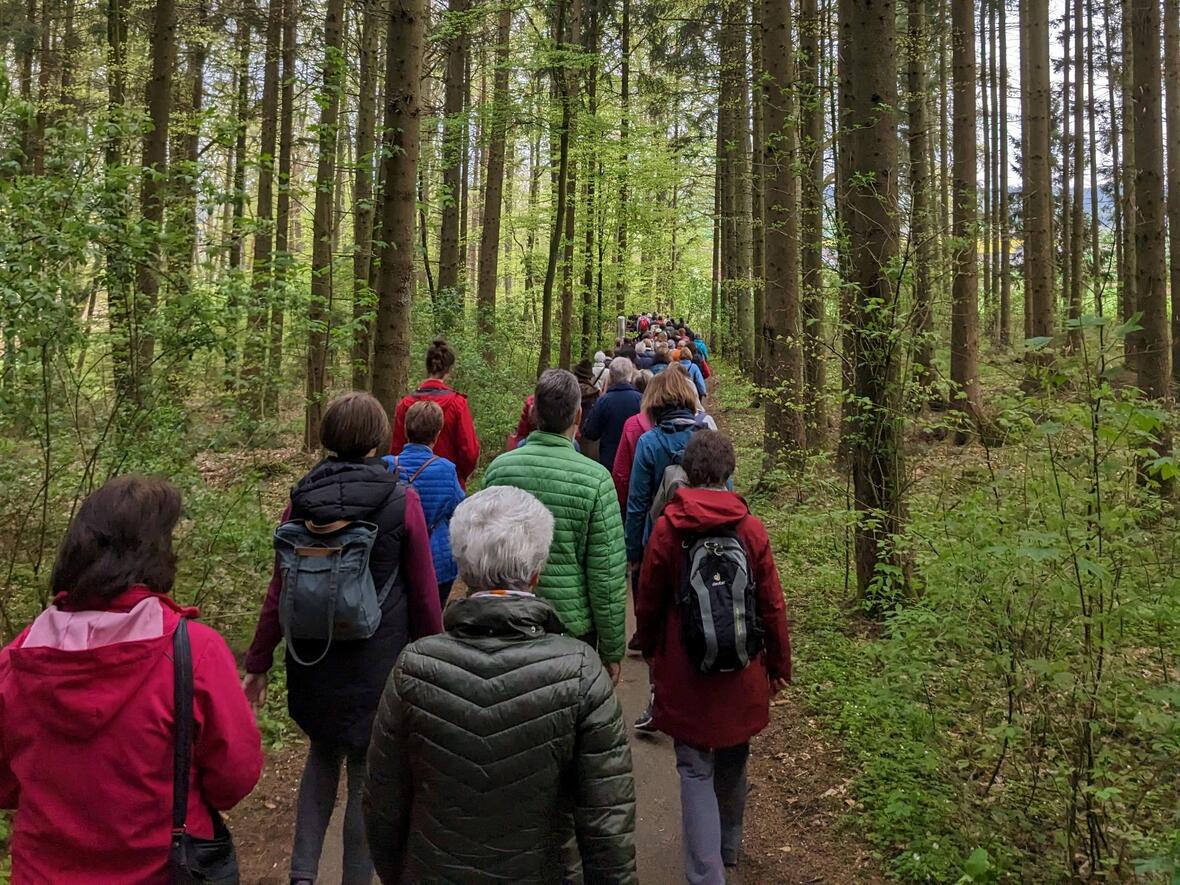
500, 538
621, 370
556, 400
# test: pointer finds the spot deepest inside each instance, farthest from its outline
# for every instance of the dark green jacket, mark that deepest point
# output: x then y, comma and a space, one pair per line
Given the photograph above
492, 742
586, 576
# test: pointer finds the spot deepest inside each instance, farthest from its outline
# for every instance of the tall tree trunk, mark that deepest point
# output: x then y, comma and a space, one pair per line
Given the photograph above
811, 105
1097, 278
591, 48
921, 239
781, 329
158, 99
715, 288
1005, 214
758, 173
186, 141
1066, 226
1038, 180
1116, 142
570, 171
1130, 195
965, 296
1172, 79
451, 196
237, 201
263, 277
489, 247
1077, 237
983, 206
319, 309
624, 168
395, 288
283, 256
868, 71
1150, 286
118, 275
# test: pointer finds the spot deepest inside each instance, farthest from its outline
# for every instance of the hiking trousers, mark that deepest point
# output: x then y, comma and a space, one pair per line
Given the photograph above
712, 802
313, 811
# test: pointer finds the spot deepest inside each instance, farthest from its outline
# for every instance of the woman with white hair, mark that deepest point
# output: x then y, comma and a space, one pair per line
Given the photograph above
497, 738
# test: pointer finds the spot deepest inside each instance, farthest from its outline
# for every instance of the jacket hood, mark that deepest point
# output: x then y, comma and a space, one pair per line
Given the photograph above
512, 616
693, 511
343, 489
675, 420
77, 669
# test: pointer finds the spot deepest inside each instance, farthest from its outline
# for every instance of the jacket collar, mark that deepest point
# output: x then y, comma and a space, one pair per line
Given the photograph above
417, 448
513, 616
545, 438
438, 383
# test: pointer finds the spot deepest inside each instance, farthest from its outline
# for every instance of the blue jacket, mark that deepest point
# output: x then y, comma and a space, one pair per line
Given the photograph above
654, 453
698, 377
703, 349
605, 421
439, 490
656, 368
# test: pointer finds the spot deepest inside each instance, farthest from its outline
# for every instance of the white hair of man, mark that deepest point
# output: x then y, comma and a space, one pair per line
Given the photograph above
500, 538
621, 371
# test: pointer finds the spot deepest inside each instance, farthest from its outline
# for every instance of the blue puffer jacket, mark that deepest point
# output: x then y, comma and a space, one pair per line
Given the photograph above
438, 488
653, 455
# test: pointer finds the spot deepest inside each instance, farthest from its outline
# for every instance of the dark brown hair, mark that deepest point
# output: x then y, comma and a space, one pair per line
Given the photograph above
440, 359
556, 400
708, 459
354, 424
121, 535
424, 421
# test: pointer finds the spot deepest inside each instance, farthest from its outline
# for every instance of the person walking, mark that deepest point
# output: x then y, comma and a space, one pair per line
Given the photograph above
619, 402
433, 477
707, 538
585, 578
458, 442
689, 365
500, 739
333, 685
88, 713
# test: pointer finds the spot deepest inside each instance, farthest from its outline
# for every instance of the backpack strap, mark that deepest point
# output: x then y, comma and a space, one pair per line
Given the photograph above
418, 472
327, 528
432, 391
182, 726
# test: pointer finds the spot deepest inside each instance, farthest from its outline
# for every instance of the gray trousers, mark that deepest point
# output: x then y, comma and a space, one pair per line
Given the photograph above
313, 811
712, 802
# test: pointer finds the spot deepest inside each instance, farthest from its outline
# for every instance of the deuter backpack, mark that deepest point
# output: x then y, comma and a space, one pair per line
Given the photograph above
718, 604
327, 589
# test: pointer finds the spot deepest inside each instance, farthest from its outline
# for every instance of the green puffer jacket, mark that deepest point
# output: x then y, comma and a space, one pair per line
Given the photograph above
586, 576
495, 744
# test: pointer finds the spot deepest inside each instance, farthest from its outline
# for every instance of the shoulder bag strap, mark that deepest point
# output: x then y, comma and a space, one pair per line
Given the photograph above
418, 472
182, 727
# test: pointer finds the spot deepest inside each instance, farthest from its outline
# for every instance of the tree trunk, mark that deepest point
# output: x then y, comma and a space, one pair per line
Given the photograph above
811, 105
1066, 225
1172, 79
186, 142
1037, 173
263, 276
489, 247
591, 48
921, 239
450, 296
118, 275
982, 206
965, 295
1005, 213
237, 201
282, 213
391, 364
319, 310
781, 324
868, 71
1116, 140
1150, 287
1077, 237
624, 166
1130, 196
1097, 278
758, 174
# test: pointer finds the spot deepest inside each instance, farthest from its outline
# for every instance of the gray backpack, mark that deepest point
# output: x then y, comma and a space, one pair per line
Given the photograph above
673, 480
327, 589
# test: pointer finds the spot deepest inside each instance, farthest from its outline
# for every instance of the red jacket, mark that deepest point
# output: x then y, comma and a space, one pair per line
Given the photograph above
457, 442
86, 718
708, 710
633, 428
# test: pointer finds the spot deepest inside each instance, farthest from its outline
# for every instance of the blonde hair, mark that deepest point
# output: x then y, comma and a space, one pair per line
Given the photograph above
669, 390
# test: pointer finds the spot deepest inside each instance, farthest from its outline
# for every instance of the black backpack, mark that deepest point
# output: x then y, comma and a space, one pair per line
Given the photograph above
718, 603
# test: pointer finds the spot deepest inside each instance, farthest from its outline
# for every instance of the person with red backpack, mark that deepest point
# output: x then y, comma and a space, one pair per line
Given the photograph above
458, 442
712, 623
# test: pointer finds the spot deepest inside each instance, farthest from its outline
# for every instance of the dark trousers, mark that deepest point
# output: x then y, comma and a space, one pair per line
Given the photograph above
313, 811
444, 592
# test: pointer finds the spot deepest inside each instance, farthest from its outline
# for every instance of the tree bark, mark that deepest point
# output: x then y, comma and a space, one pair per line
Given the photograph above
624, 166
118, 275
186, 142
758, 174
811, 104
1005, 213
868, 66
407, 22
965, 295
1077, 236
1130, 197
1172, 79
921, 239
320, 307
450, 297
1037, 175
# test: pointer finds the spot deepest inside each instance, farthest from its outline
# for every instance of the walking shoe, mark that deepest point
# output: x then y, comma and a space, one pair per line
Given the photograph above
644, 723
633, 646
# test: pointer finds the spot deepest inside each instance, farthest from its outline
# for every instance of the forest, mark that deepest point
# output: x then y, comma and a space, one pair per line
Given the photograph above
934, 247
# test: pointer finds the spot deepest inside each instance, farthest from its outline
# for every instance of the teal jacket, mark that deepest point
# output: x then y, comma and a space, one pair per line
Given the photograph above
585, 579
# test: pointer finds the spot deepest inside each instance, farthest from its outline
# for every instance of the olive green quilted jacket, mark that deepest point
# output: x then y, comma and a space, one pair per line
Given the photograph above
585, 579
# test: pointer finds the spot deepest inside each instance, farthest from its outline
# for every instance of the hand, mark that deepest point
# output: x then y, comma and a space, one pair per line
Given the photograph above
254, 685
614, 671
777, 685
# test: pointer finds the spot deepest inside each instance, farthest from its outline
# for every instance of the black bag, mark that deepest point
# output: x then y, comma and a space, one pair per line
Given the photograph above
718, 603
192, 859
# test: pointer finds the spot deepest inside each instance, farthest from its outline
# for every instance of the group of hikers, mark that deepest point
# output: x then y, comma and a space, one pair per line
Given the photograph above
456, 655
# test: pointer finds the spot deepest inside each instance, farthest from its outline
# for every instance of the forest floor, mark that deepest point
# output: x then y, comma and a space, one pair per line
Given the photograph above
797, 824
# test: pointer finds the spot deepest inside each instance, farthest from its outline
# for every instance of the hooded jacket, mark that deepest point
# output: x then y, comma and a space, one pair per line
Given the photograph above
334, 701
605, 421
458, 442
488, 739
585, 578
708, 710
86, 740
440, 493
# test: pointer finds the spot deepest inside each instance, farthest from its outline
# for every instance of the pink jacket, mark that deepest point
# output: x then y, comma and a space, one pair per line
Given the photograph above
86, 719
635, 427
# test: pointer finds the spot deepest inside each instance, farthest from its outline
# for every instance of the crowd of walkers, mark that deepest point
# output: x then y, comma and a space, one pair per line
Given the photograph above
455, 655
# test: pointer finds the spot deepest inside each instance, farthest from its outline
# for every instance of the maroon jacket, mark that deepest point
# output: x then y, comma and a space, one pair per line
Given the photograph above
714, 710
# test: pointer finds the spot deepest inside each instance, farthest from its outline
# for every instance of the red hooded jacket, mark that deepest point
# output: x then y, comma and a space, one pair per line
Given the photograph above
86, 718
708, 710
457, 442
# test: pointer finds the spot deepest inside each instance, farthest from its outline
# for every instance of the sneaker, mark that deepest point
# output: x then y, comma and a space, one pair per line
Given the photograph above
633, 646
644, 723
